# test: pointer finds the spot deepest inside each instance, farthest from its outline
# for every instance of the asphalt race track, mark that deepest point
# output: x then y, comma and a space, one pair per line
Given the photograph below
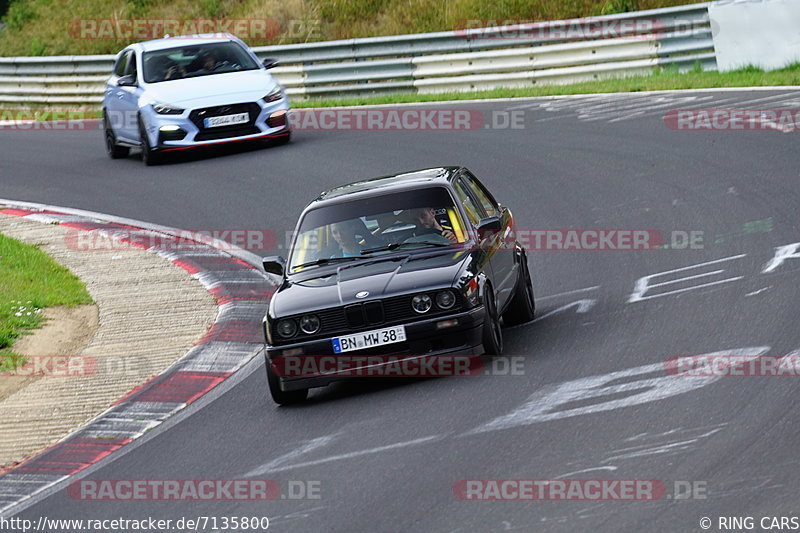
593, 401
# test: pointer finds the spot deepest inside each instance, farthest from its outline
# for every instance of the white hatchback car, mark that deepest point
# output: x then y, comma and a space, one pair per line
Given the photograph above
187, 92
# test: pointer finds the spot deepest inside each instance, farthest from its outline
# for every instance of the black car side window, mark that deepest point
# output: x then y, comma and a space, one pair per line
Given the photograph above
488, 203
474, 212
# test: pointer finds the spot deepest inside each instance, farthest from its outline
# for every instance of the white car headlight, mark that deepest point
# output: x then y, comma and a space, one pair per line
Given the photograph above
165, 109
274, 96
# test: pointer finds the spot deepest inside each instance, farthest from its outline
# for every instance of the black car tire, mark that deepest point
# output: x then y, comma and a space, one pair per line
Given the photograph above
523, 304
282, 397
113, 150
492, 332
150, 157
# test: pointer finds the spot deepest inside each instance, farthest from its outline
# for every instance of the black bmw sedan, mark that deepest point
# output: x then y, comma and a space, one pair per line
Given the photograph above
395, 269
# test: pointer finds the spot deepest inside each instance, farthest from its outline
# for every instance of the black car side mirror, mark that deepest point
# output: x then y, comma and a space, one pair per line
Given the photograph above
487, 227
127, 81
275, 265
269, 63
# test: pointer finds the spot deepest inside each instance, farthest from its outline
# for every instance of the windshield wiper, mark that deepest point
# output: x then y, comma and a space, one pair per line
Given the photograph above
324, 261
396, 245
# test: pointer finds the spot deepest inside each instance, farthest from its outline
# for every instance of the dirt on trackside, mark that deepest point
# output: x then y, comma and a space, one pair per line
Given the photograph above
66, 332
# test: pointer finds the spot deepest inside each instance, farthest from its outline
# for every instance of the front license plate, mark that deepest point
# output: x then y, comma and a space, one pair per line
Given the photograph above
227, 120
369, 339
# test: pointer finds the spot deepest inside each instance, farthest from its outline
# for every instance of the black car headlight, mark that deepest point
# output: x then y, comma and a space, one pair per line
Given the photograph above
309, 324
421, 303
274, 96
166, 109
287, 328
445, 300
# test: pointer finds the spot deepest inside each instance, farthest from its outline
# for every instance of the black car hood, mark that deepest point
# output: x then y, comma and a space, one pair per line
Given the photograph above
383, 277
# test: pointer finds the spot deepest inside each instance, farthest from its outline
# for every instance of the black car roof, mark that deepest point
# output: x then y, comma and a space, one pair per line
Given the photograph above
404, 181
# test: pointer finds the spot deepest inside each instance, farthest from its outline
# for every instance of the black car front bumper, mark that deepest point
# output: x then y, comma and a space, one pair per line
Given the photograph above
423, 339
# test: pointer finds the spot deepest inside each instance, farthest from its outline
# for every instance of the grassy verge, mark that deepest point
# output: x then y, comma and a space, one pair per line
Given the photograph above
661, 80
48, 27
31, 280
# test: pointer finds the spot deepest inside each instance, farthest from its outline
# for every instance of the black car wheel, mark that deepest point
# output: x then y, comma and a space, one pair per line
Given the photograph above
523, 305
150, 157
282, 397
492, 332
113, 150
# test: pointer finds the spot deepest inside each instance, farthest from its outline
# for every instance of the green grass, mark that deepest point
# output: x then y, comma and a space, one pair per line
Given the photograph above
47, 27
662, 80
30, 280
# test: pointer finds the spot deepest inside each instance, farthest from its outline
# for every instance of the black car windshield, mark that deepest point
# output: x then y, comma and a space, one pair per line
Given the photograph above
403, 221
194, 61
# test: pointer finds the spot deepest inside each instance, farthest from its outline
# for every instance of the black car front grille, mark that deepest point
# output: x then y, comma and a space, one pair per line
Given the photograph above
369, 315
332, 320
399, 308
236, 130
354, 317
366, 314
373, 312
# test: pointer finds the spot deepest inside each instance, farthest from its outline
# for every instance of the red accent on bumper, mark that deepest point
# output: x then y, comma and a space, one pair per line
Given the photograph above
271, 135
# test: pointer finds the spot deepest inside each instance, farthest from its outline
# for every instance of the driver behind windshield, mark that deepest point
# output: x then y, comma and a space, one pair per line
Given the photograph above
207, 63
427, 222
344, 233
173, 71
210, 62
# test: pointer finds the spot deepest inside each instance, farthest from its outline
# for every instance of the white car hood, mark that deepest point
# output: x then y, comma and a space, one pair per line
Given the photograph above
213, 89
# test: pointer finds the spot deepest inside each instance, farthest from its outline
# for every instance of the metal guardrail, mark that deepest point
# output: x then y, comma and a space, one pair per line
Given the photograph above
471, 59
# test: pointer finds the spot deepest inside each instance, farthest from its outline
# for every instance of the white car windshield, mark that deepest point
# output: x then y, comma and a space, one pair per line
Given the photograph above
194, 61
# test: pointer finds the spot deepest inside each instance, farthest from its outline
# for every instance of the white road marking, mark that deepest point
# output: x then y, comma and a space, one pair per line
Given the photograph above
581, 306
677, 291
351, 455
641, 436
613, 108
568, 474
645, 110
782, 253
552, 402
297, 515
642, 284
658, 449
625, 106
728, 103
307, 447
759, 291
576, 291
